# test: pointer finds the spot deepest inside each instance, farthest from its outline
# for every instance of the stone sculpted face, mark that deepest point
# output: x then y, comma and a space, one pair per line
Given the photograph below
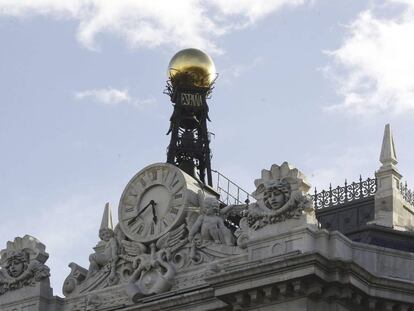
106, 234
275, 195
211, 206
16, 264
274, 199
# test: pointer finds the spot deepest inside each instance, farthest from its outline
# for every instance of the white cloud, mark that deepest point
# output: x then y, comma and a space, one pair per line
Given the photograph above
374, 66
112, 96
253, 10
106, 96
153, 23
238, 69
230, 73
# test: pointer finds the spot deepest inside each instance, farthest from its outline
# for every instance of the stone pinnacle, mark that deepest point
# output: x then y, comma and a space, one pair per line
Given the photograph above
388, 155
107, 218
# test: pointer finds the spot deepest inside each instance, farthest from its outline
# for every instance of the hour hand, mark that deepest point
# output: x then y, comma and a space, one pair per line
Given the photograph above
154, 216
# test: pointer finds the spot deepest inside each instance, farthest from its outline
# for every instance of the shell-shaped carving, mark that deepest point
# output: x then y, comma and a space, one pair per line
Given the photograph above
29, 244
285, 172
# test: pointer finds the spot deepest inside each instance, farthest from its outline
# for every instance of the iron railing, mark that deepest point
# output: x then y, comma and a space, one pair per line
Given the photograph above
347, 193
407, 193
230, 192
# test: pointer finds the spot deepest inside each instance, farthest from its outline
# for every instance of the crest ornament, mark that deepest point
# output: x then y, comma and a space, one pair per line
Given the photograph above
22, 264
281, 194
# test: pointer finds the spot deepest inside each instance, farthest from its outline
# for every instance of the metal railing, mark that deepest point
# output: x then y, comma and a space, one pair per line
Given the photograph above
407, 193
347, 193
230, 192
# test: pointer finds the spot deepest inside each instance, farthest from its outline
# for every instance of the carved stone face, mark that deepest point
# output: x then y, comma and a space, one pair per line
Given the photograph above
211, 206
16, 265
106, 234
274, 199
275, 195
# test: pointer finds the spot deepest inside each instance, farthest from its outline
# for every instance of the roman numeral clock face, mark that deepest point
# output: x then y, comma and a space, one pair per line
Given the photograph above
153, 202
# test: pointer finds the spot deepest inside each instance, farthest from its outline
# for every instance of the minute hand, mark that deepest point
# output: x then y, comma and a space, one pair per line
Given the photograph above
141, 211
154, 216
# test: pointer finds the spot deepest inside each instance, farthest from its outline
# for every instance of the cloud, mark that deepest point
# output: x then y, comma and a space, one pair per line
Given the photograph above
153, 23
112, 96
108, 96
253, 10
374, 66
237, 70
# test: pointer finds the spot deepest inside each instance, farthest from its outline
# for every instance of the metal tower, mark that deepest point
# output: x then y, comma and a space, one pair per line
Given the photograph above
192, 76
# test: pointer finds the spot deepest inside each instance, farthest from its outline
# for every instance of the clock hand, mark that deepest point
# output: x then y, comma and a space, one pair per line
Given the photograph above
154, 217
141, 211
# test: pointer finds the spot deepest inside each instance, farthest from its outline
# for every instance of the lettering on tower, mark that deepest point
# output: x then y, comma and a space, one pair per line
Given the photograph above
188, 99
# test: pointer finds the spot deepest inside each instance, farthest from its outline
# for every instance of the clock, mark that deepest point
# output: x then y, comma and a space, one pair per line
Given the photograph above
155, 201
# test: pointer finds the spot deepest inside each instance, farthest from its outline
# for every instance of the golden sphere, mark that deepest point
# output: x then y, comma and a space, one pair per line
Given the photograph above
192, 66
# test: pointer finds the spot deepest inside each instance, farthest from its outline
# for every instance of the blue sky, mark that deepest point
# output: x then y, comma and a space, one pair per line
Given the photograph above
82, 107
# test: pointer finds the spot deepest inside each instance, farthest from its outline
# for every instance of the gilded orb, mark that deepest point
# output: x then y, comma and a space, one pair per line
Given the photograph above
192, 67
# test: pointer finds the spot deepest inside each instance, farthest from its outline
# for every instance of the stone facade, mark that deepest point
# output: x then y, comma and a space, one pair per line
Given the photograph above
176, 249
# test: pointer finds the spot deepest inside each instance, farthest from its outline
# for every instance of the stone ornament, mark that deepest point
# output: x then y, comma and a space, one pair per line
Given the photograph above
149, 247
154, 274
142, 270
76, 277
209, 236
103, 301
103, 262
22, 264
106, 252
210, 223
148, 262
281, 194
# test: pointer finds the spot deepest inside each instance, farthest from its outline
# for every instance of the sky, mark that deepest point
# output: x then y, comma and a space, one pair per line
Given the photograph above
82, 109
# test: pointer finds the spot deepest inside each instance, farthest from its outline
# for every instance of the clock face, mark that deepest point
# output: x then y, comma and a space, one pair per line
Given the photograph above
153, 202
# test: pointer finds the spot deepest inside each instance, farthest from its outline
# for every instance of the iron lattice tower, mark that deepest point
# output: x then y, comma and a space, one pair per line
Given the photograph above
189, 147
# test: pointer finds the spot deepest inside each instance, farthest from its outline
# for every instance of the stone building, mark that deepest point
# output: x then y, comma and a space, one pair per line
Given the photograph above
180, 244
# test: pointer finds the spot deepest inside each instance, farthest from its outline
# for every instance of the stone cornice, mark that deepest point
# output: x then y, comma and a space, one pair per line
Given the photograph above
311, 275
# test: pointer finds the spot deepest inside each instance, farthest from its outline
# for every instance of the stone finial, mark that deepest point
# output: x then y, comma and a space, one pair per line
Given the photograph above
388, 155
106, 222
391, 209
